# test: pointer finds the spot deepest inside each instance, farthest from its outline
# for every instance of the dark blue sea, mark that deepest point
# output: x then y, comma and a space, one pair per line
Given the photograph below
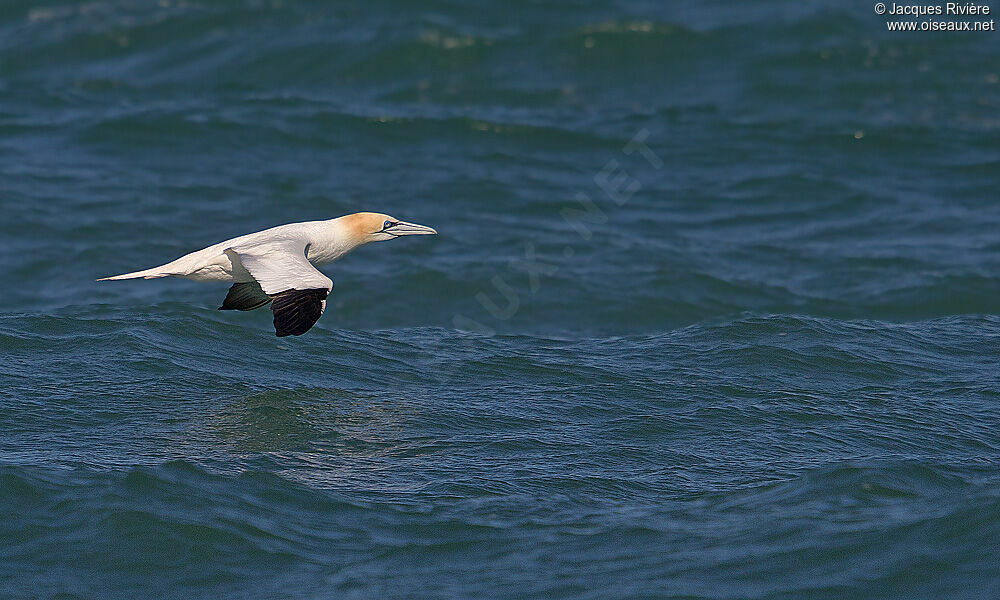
713, 311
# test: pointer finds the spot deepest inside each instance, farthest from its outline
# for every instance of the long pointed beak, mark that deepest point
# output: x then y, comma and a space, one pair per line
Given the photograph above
404, 228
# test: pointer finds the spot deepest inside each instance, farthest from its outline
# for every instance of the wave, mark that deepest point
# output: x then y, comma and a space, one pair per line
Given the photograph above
190, 532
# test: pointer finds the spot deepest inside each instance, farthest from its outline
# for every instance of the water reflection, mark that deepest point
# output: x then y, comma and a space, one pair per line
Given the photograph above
319, 436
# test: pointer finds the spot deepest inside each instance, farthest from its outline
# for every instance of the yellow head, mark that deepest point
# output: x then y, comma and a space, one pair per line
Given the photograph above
364, 227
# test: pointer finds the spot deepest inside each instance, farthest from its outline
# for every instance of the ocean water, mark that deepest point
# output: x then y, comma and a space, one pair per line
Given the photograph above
713, 311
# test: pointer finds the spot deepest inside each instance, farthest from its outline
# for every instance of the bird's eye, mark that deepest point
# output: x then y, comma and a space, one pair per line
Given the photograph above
387, 224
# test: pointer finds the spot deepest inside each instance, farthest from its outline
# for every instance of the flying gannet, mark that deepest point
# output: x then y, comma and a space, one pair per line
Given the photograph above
278, 265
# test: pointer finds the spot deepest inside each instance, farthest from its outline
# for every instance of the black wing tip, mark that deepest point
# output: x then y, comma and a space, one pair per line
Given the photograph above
245, 296
296, 311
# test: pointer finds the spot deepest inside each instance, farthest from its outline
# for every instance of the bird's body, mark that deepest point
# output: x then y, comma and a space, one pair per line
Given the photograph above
279, 265
323, 243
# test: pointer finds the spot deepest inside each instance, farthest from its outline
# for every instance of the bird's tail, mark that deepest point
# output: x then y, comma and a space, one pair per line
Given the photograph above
153, 273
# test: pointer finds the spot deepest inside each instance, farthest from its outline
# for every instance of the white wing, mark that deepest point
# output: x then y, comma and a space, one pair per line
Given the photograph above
279, 266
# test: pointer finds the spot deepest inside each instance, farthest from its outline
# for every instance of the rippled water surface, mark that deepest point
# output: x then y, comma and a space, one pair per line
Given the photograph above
712, 313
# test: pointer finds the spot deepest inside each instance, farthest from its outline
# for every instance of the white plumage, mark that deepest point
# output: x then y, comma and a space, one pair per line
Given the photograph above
279, 265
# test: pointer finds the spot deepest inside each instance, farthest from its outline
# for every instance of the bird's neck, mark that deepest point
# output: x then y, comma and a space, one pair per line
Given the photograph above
330, 240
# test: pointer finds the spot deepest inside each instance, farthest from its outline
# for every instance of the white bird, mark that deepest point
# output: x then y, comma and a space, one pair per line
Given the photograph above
278, 265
